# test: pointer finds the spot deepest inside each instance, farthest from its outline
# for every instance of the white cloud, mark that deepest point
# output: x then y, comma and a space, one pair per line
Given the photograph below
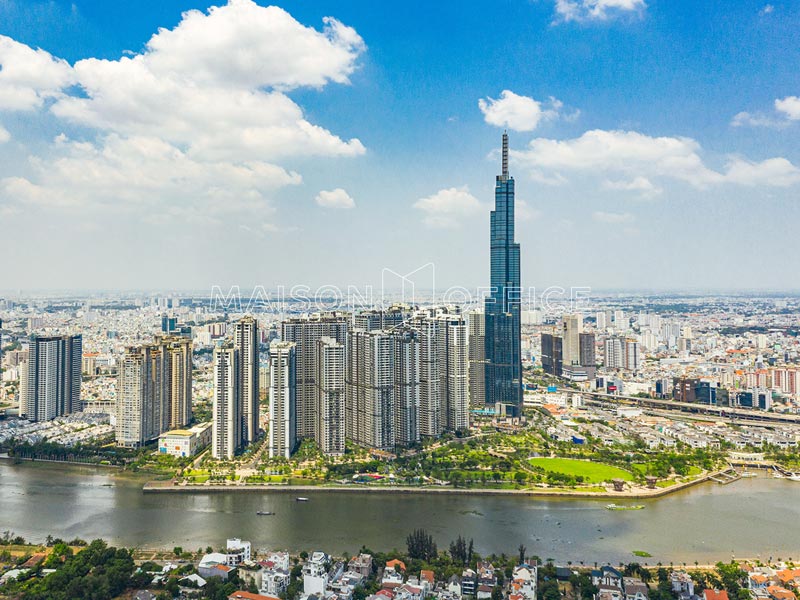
789, 106
639, 184
145, 176
520, 113
199, 117
632, 154
525, 212
787, 109
4, 135
612, 218
28, 77
777, 172
746, 119
768, 8
596, 10
447, 208
337, 198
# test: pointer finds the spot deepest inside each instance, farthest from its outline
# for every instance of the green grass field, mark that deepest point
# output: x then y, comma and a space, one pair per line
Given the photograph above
592, 472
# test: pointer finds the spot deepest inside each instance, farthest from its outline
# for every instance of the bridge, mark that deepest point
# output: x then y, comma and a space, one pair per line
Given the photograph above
721, 413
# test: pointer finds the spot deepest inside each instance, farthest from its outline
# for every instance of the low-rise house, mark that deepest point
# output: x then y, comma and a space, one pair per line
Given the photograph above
454, 586
215, 564
469, 582
787, 577
396, 564
237, 551
408, 591
484, 591
715, 595
635, 589
780, 593
244, 595
682, 584
361, 564
523, 581
427, 579
486, 575
315, 574
609, 592
607, 576
757, 581
194, 579
274, 583
391, 578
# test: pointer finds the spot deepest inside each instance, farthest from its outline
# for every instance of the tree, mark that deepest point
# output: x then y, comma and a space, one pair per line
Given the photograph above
458, 551
420, 545
177, 550
522, 549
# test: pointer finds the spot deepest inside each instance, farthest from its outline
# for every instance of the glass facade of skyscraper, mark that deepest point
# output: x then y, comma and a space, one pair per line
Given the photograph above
502, 306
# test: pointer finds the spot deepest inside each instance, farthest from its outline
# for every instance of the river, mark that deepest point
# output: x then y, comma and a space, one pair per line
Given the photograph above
755, 517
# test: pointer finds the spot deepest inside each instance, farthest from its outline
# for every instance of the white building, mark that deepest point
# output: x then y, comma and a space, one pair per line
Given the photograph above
282, 399
227, 410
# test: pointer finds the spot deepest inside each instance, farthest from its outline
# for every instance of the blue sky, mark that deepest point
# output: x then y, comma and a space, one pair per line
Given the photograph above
655, 143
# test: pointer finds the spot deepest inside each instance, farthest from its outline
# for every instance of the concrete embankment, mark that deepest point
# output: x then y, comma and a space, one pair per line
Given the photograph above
172, 487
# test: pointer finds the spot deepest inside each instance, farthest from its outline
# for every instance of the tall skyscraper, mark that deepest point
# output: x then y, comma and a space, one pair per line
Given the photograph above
142, 395
457, 404
502, 306
406, 402
178, 353
53, 386
282, 437
154, 390
587, 350
305, 332
477, 359
246, 340
330, 361
226, 438
572, 329
552, 354
432, 376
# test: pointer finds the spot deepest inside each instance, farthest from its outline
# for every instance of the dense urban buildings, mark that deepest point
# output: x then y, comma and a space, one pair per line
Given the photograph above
502, 306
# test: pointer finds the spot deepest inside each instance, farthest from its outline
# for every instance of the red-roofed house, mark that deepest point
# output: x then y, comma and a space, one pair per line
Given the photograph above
242, 595
393, 564
778, 593
715, 595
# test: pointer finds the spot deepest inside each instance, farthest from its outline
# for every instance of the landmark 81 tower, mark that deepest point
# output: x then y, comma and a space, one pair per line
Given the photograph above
502, 306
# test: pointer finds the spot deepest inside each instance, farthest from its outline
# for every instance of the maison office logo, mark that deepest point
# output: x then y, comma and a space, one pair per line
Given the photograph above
414, 288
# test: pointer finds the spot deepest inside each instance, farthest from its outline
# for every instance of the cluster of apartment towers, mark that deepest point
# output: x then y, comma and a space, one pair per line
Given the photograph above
381, 378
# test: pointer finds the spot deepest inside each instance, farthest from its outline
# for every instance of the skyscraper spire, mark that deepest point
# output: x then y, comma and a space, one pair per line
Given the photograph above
505, 155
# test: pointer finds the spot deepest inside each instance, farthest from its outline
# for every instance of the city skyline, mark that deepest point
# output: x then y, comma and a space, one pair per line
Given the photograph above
625, 118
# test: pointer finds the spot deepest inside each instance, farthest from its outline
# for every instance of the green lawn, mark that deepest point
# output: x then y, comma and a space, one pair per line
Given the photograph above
592, 472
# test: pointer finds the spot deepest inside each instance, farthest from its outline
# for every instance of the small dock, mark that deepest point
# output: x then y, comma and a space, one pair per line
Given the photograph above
725, 477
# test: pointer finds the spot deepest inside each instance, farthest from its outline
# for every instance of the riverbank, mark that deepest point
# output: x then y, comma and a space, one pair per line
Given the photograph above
76, 463
205, 488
